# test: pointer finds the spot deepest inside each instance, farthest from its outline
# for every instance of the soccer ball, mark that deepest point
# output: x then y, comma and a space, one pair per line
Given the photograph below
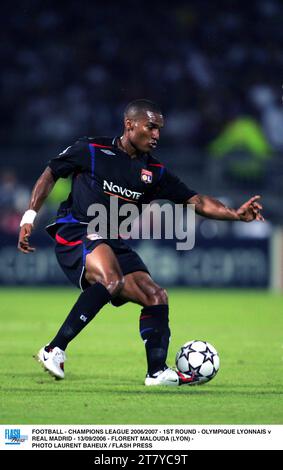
198, 359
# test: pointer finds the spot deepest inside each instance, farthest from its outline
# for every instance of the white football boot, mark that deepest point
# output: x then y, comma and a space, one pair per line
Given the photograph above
163, 377
53, 361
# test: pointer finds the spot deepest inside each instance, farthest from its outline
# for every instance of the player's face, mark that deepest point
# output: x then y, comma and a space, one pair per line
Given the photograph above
145, 131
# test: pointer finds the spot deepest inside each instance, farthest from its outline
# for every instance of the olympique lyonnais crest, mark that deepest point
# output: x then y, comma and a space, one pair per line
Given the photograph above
146, 176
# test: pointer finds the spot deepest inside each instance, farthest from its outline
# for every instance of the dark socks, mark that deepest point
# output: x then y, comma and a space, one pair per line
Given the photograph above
155, 332
87, 306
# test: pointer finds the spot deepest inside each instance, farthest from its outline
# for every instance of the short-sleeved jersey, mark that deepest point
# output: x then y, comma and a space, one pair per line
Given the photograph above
100, 170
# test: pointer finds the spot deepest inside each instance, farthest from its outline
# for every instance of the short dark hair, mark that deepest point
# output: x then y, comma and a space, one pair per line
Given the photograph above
137, 107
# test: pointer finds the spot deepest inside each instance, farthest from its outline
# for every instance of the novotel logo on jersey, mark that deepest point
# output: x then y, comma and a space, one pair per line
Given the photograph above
115, 190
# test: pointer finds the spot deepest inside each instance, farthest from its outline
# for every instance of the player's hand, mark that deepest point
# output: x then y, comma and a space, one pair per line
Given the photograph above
250, 210
23, 243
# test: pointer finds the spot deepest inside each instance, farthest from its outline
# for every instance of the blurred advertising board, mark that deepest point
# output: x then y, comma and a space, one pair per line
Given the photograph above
224, 262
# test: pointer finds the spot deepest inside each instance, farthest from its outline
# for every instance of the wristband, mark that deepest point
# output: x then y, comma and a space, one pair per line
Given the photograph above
28, 217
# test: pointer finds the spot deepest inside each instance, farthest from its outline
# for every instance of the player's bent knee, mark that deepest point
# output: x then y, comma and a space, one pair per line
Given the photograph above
113, 282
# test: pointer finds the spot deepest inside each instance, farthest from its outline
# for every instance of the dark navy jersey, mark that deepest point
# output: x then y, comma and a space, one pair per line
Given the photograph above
99, 170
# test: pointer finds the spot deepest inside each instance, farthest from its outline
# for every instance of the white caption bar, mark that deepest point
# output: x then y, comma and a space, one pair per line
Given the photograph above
141, 438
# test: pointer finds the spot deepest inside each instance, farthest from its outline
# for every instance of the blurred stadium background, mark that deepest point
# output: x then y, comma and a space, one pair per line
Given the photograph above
69, 69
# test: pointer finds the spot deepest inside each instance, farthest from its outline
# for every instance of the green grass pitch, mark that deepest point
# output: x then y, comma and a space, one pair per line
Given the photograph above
106, 362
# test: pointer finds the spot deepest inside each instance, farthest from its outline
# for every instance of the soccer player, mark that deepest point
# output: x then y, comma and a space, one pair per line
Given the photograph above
108, 269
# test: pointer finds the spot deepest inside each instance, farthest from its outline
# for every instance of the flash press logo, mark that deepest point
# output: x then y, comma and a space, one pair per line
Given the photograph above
14, 437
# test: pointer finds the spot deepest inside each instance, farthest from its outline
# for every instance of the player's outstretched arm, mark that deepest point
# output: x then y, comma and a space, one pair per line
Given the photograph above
41, 190
214, 209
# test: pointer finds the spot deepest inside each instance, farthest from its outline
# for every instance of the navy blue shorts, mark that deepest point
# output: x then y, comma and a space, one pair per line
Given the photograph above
72, 246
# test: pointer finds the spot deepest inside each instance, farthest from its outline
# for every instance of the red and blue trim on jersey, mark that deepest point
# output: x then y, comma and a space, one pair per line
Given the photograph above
65, 242
101, 146
160, 166
92, 149
68, 219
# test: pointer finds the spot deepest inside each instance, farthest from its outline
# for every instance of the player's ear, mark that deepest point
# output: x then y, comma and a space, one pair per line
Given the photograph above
129, 124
